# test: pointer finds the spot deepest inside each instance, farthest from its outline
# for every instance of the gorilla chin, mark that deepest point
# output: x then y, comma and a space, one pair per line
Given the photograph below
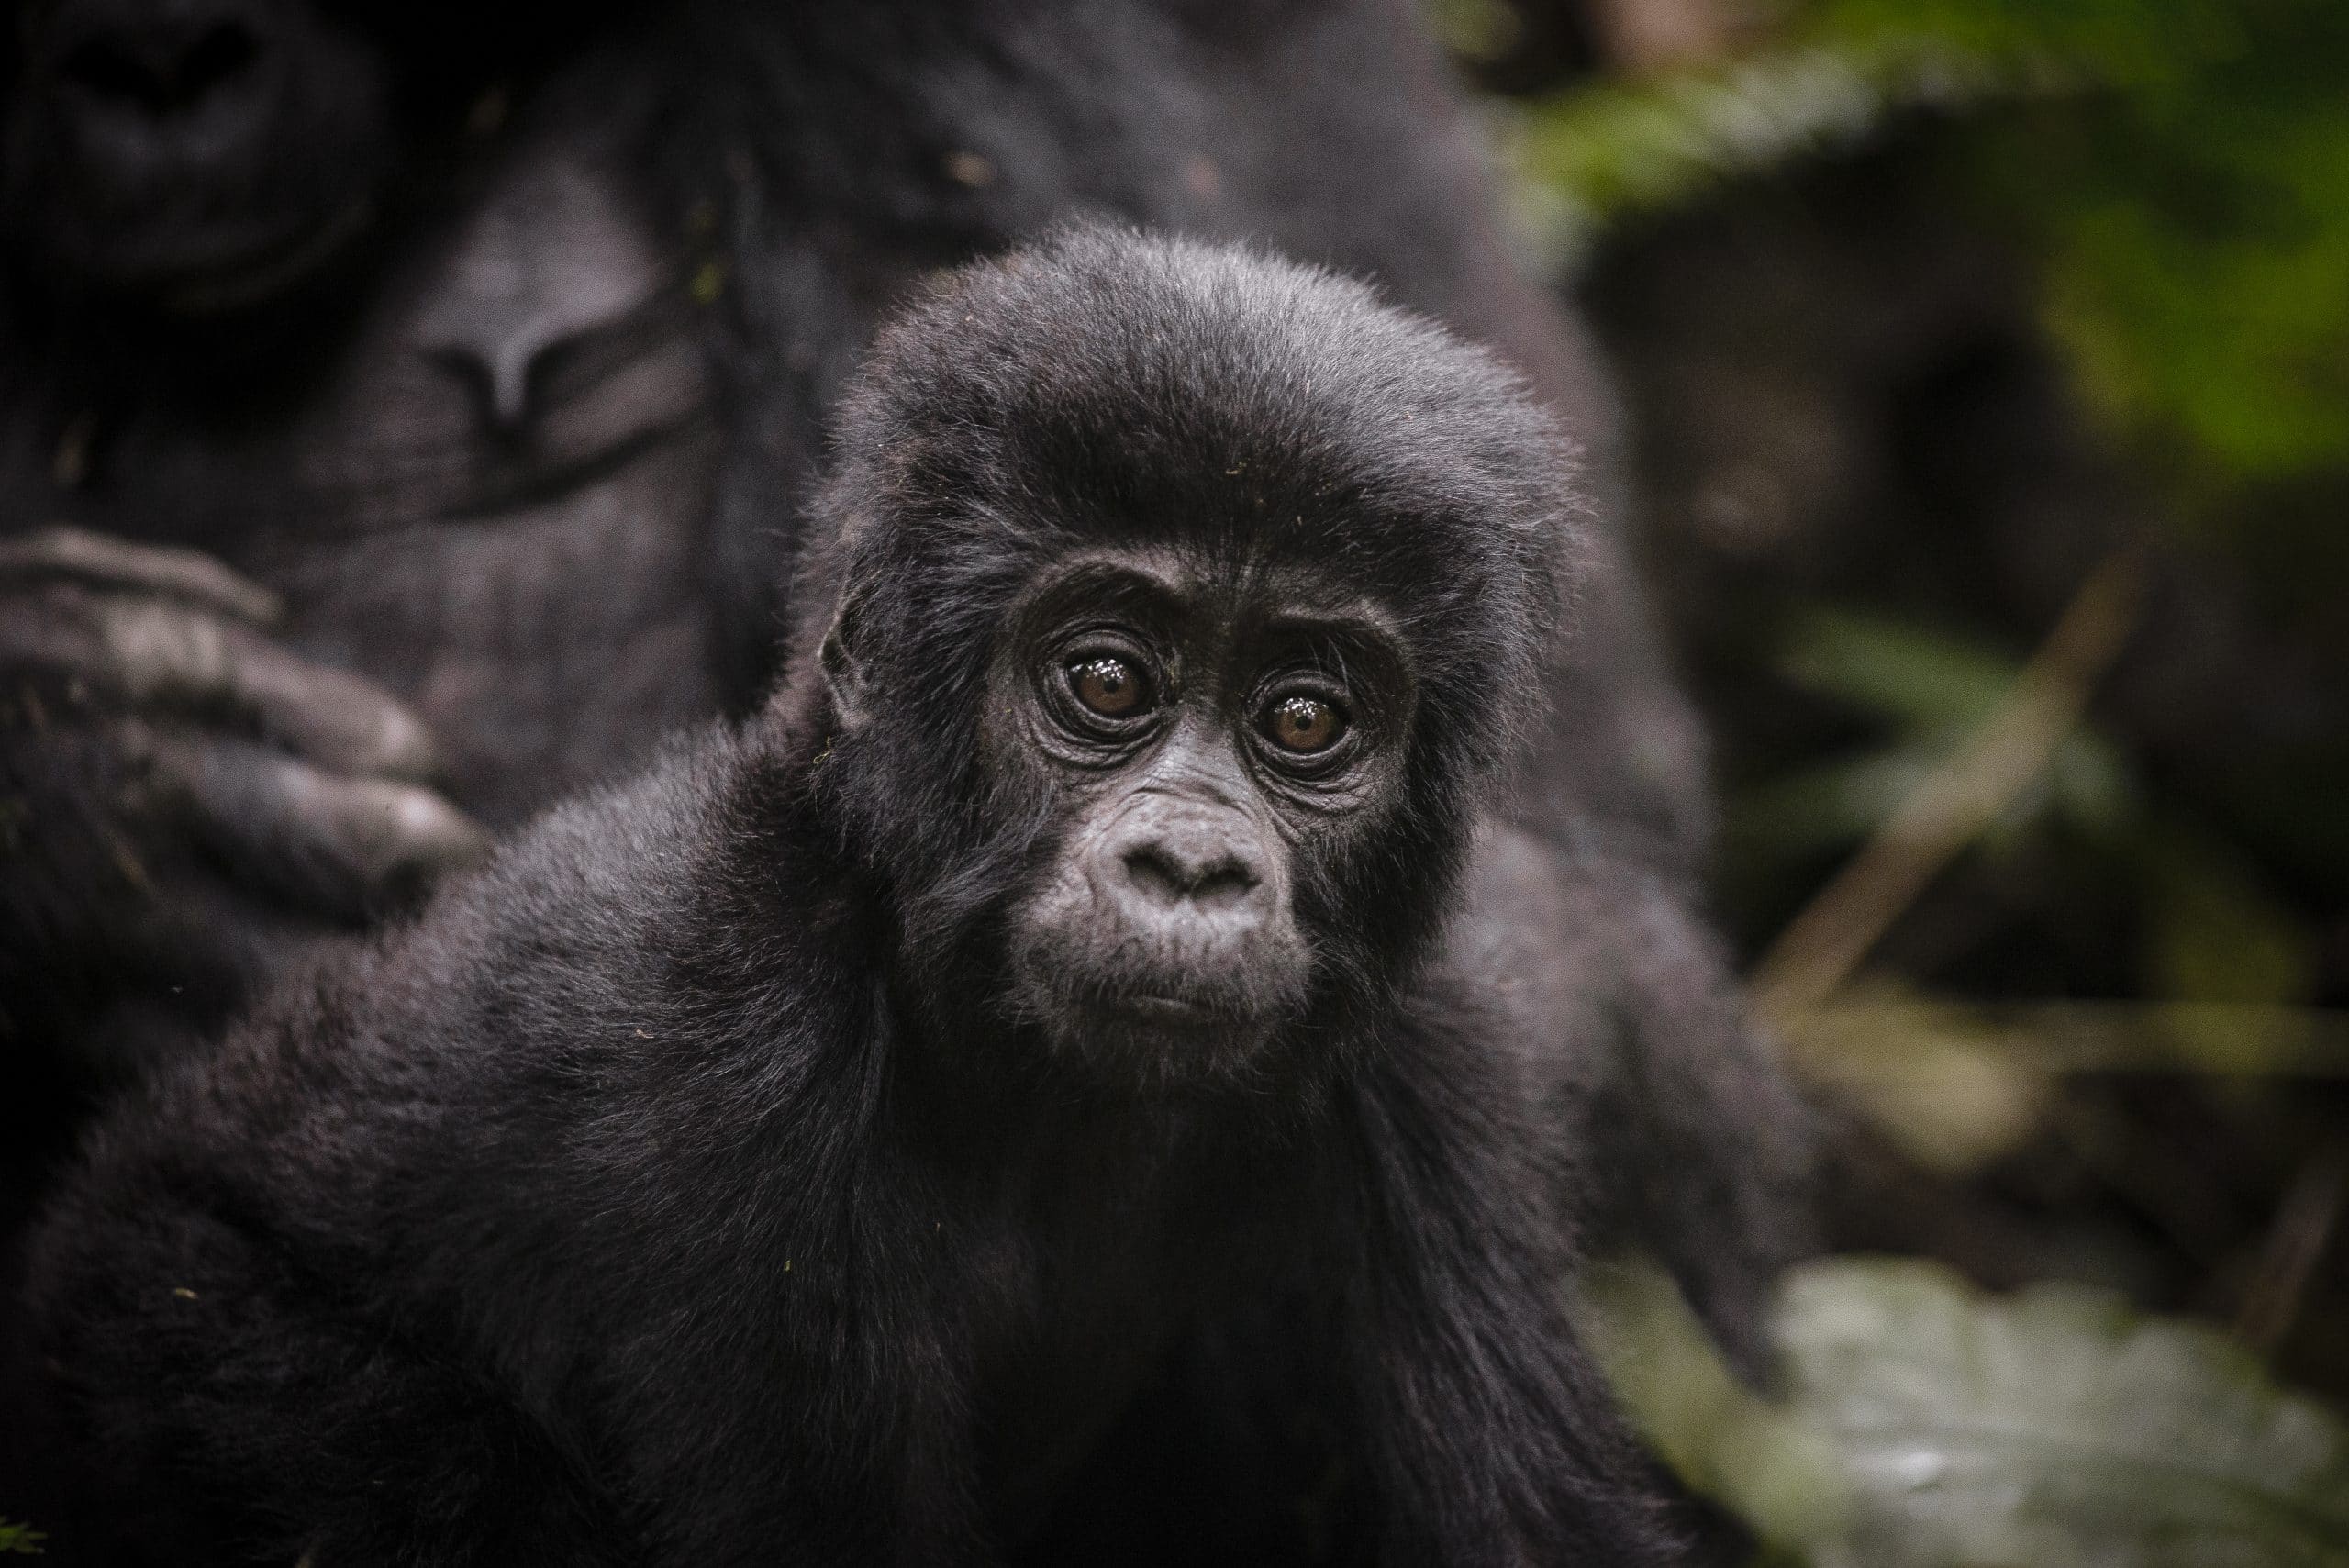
1160, 1043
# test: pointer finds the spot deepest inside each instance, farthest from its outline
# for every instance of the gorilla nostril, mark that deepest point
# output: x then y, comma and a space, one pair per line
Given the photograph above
1168, 876
161, 77
1150, 873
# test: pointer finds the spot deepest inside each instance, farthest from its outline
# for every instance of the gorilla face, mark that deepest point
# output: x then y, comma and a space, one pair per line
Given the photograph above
1200, 738
1186, 603
202, 152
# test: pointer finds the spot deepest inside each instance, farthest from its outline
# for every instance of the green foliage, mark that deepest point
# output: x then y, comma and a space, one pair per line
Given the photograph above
2195, 231
1923, 678
1954, 1085
2134, 42
2214, 934
1924, 1425
2173, 175
1952, 1089
1612, 151
21, 1540
2181, 168
1775, 1470
1931, 690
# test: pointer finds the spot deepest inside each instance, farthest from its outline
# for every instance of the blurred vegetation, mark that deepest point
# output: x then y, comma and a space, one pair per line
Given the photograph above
2182, 167
1923, 1425
1987, 366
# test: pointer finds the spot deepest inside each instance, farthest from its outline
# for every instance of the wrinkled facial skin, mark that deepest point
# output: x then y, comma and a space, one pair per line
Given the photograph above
1204, 739
200, 154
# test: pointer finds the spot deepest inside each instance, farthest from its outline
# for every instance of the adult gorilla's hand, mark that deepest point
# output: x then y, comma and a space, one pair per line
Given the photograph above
186, 805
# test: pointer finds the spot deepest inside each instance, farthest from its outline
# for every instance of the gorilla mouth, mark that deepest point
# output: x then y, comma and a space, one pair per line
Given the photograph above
1159, 1008
1162, 1037
1175, 1014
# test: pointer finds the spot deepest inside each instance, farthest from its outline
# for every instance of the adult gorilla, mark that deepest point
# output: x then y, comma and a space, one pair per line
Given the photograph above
1067, 964
483, 363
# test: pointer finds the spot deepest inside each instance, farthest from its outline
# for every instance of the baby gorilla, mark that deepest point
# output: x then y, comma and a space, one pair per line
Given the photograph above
805, 1153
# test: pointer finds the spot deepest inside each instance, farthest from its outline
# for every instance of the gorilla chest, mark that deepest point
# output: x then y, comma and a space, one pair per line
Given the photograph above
1056, 1380
1086, 1293
490, 497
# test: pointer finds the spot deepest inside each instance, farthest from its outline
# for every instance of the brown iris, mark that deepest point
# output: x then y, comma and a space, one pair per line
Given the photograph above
1109, 686
1304, 724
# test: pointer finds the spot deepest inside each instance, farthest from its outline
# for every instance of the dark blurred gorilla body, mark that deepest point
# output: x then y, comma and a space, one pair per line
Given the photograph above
493, 348
804, 1153
502, 416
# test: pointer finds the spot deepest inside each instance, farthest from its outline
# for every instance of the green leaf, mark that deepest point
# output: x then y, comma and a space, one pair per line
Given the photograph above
1925, 679
1938, 1080
2114, 41
21, 1540
2055, 1429
1935, 689
1927, 1425
1829, 806
2180, 168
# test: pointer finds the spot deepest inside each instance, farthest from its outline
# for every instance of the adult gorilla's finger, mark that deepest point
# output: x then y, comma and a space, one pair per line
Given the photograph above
79, 556
353, 848
154, 653
325, 713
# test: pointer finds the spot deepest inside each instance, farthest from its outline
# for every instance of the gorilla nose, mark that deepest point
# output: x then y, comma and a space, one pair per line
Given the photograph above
1168, 873
164, 59
1174, 860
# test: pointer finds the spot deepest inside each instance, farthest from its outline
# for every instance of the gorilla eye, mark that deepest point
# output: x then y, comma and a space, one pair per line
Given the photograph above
1304, 725
1108, 685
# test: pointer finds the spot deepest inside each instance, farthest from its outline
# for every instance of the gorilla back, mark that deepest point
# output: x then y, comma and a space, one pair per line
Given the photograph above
803, 1152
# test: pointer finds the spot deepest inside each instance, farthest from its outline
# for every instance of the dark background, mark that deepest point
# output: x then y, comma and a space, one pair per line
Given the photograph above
1989, 362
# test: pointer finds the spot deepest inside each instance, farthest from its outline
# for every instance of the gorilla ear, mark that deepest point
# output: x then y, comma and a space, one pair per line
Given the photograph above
842, 660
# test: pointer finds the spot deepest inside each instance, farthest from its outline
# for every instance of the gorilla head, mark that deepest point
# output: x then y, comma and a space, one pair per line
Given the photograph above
1182, 599
204, 155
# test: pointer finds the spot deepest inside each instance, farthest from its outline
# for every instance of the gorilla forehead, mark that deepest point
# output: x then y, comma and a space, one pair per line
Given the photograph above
1108, 390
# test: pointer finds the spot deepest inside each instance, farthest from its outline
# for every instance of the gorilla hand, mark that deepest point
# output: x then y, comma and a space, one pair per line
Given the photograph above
186, 805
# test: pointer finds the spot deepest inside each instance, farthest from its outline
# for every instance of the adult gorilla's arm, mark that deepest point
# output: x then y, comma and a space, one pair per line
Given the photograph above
1691, 1143
1491, 1433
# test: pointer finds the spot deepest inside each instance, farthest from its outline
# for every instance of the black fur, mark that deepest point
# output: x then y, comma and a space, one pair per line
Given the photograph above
708, 205
677, 1190
735, 191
